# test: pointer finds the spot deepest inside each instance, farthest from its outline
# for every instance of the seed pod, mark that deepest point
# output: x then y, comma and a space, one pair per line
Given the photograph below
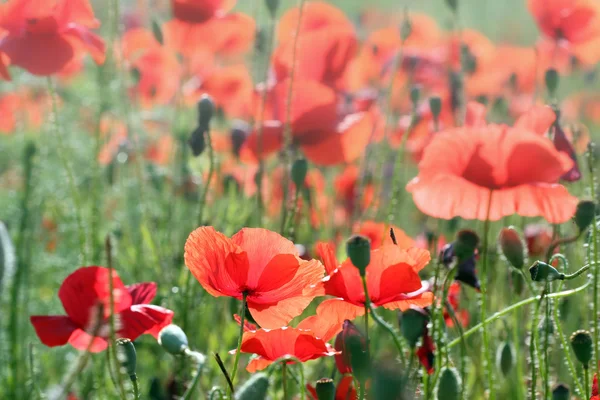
449, 385
585, 214
127, 356
512, 247
435, 105
413, 324
358, 249
561, 392
551, 78
542, 272
173, 339
206, 110
325, 389
254, 388
582, 344
299, 171
505, 358
197, 142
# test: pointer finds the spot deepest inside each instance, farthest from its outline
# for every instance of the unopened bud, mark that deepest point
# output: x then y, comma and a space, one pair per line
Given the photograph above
127, 356
512, 247
299, 171
465, 245
449, 385
561, 392
272, 6
173, 339
358, 249
254, 388
551, 78
325, 389
413, 324
435, 105
505, 358
585, 214
542, 272
206, 109
342, 360
582, 344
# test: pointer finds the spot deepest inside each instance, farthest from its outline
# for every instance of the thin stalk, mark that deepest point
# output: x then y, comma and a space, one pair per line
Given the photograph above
64, 160
463, 346
586, 377
200, 360
211, 171
515, 307
533, 347
367, 307
596, 272
484, 278
519, 365
390, 329
284, 379
136, 388
547, 392
239, 345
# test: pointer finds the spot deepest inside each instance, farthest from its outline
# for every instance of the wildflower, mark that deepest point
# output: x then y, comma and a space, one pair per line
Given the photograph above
43, 37
574, 21
86, 298
256, 263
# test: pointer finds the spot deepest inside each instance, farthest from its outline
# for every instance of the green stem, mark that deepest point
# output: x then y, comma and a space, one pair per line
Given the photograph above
596, 272
484, 278
367, 307
519, 364
390, 329
239, 345
514, 307
200, 360
284, 379
463, 346
211, 171
547, 393
586, 377
136, 387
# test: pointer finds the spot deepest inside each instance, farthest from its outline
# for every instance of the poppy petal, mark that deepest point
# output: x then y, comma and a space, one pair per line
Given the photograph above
39, 54
54, 330
142, 293
326, 252
423, 300
143, 318
272, 140
538, 120
81, 340
330, 317
86, 40
276, 315
475, 114
258, 364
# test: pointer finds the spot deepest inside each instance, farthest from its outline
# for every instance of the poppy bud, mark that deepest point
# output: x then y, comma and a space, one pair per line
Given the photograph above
582, 344
435, 105
157, 32
254, 388
413, 324
585, 214
512, 246
127, 356
467, 59
173, 339
206, 109
299, 171
551, 78
542, 272
358, 249
405, 28
452, 4
239, 132
449, 385
505, 358
415, 96
325, 389
561, 392
272, 6
465, 244
197, 142
342, 360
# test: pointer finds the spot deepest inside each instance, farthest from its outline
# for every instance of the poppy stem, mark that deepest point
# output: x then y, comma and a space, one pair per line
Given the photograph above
586, 377
484, 279
463, 345
562, 241
596, 272
200, 360
284, 379
211, 171
367, 307
239, 345
388, 327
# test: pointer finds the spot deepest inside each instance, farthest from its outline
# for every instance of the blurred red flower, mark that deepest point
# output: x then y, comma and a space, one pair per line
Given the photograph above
575, 21
259, 263
45, 36
516, 166
85, 295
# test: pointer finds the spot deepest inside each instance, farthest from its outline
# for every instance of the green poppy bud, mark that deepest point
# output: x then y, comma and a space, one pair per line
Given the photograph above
358, 249
512, 247
206, 110
173, 339
449, 385
551, 78
299, 171
452, 4
405, 28
272, 6
254, 388
412, 325
561, 392
465, 245
157, 32
505, 358
582, 344
127, 356
325, 389
435, 105
542, 272
585, 214
415, 96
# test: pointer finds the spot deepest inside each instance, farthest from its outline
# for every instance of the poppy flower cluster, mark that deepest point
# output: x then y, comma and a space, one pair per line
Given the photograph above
89, 304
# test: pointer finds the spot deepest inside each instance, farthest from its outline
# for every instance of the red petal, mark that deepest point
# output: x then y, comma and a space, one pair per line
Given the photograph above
53, 330
81, 341
475, 114
326, 252
538, 120
142, 293
38, 54
330, 318
143, 318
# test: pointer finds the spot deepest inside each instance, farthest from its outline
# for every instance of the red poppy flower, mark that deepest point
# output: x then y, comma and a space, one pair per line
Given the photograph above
392, 280
259, 263
271, 345
346, 185
426, 352
515, 166
572, 20
43, 37
197, 11
85, 296
232, 89
345, 389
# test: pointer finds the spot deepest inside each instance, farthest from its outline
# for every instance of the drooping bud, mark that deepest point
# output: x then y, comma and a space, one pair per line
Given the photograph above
585, 214
358, 249
173, 339
299, 171
206, 109
505, 358
127, 356
512, 247
342, 360
197, 141
435, 105
561, 392
582, 344
413, 323
325, 389
272, 6
551, 78
254, 388
449, 385
465, 244
542, 272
